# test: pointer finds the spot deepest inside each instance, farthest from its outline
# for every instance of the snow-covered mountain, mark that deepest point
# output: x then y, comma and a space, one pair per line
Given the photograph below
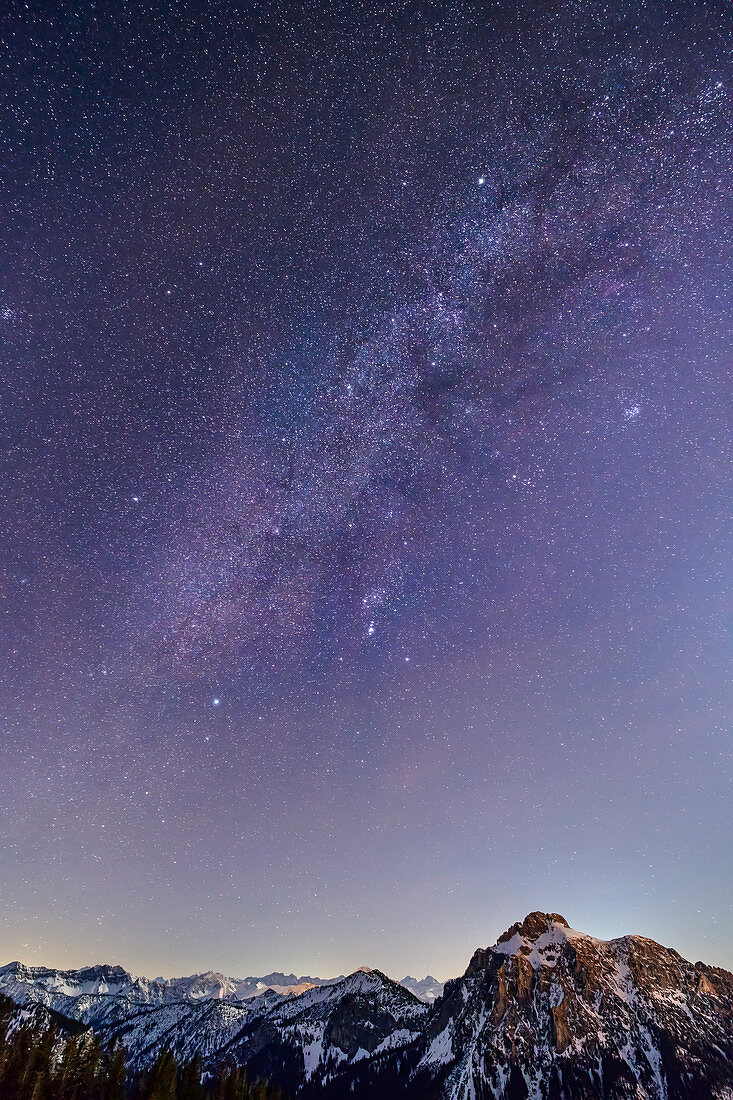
294, 1039
40, 1019
359, 1017
213, 985
58, 988
426, 989
547, 1013
43, 985
551, 1012
72, 991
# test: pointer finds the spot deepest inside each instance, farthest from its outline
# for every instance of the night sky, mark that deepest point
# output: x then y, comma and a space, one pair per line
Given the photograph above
363, 479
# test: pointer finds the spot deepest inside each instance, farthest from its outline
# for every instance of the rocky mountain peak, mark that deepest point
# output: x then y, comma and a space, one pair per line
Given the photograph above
548, 1003
534, 925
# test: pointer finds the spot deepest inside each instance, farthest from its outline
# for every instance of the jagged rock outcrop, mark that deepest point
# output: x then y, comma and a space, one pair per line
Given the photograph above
550, 1012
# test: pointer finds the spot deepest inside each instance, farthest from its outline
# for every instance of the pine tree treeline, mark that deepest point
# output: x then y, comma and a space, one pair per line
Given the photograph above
51, 1062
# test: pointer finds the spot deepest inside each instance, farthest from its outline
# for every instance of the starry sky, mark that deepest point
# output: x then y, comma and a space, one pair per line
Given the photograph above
363, 479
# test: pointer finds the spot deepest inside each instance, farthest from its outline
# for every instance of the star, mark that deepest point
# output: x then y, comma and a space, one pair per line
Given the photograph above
394, 406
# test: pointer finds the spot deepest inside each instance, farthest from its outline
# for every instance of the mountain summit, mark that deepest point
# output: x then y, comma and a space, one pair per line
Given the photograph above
552, 1012
533, 925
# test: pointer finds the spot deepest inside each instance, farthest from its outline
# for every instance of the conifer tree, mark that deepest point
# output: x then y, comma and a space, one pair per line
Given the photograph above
190, 1087
116, 1072
164, 1077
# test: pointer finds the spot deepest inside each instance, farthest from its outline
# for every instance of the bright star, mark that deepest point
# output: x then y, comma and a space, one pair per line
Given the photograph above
216, 702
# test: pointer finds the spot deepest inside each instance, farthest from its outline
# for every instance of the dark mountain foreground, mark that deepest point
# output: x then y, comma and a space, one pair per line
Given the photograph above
547, 1013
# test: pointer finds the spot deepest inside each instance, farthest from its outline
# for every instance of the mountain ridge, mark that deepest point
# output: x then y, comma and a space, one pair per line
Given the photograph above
547, 1013
208, 984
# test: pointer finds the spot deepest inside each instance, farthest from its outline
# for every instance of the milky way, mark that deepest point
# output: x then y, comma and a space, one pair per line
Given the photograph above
325, 517
363, 478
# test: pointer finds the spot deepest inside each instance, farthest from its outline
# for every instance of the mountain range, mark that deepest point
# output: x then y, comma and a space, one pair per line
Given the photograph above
547, 1012
51, 985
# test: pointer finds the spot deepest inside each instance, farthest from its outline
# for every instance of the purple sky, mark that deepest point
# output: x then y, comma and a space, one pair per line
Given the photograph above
363, 542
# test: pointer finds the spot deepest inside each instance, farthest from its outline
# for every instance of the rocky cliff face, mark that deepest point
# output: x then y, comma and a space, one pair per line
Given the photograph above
547, 1013
323, 1033
66, 991
551, 1012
